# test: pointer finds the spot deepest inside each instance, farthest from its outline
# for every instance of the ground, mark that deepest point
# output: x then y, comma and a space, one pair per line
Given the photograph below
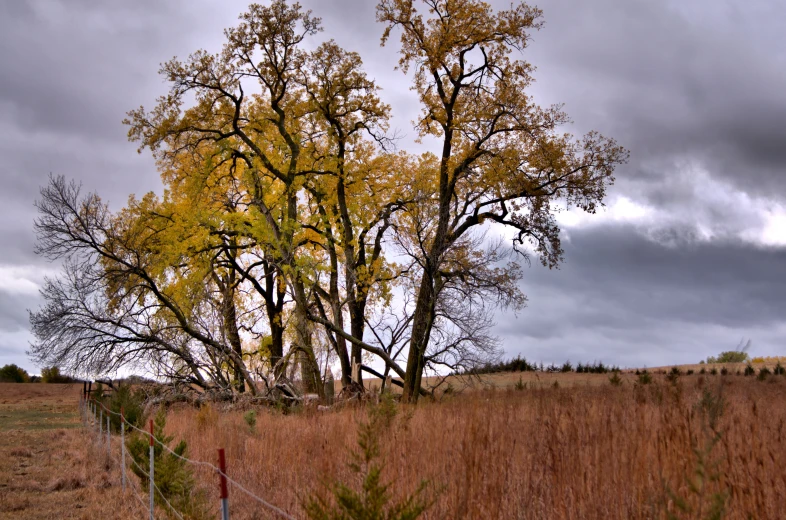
48, 468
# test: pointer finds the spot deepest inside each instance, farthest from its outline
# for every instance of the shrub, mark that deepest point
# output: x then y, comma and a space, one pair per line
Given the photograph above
615, 379
779, 370
173, 477
566, 367
130, 402
520, 385
714, 371
763, 373
724, 371
749, 370
689, 372
372, 500
707, 496
13, 374
251, 419
702, 371
645, 378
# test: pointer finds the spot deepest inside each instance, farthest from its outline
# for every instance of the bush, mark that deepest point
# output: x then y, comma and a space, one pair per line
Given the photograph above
714, 371
779, 370
645, 378
251, 419
372, 500
724, 371
130, 402
689, 372
521, 385
13, 374
763, 373
749, 370
173, 478
615, 379
702, 371
566, 367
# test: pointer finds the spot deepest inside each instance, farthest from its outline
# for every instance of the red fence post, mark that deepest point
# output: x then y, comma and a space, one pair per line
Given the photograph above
222, 466
152, 470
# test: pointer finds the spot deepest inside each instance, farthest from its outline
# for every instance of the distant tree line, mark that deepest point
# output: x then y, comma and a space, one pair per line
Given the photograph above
14, 374
520, 364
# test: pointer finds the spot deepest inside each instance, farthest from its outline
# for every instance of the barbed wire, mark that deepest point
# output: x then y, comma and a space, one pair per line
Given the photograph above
249, 493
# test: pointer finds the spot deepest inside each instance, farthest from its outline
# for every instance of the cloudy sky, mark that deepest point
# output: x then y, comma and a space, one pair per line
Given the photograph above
688, 258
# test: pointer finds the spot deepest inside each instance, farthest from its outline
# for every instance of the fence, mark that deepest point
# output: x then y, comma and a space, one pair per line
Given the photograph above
93, 414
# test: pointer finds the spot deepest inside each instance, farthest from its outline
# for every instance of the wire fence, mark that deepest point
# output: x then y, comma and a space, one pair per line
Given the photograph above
94, 414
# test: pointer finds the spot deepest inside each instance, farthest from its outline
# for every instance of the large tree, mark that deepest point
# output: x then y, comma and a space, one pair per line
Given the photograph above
285, 202
500, 158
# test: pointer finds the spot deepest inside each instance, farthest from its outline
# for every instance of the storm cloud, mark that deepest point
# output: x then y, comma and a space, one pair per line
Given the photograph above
688, 258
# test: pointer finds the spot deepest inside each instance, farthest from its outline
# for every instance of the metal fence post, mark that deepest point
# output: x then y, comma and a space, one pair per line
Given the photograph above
108, 438
123, 448
222, 466
152, 470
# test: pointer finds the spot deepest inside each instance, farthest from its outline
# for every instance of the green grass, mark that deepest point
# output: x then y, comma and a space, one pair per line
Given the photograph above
38, 418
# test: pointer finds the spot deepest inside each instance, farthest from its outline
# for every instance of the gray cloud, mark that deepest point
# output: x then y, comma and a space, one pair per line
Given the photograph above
696, 91
619, 287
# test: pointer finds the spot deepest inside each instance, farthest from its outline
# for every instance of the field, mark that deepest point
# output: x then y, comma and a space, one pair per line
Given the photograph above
580, 449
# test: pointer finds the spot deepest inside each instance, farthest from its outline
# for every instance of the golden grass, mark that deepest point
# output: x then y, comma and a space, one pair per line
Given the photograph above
579, 452
585, 449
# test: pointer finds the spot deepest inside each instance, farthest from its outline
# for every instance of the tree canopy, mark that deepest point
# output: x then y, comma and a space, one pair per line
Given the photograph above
293, 235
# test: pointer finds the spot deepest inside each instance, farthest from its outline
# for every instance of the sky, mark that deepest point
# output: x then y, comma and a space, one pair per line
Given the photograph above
687, 259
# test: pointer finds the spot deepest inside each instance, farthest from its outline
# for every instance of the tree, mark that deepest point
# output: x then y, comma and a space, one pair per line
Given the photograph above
500, 159
13, 374
739, 355
286, 202
314, 191
52, 375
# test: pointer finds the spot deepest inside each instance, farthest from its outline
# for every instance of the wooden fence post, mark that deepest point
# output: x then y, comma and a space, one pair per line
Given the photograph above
222, 466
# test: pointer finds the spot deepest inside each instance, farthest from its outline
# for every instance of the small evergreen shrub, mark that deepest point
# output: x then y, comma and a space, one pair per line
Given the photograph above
251, 419
520, 385
749, 370
173, 477
371, 500
724, 371
779, 370
714, 371
645, 378
763, 373
615, 379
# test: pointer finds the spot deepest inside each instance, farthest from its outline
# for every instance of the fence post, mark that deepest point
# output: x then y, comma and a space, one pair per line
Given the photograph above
222, 466
152, 469
100, 424
123, 448
108, 438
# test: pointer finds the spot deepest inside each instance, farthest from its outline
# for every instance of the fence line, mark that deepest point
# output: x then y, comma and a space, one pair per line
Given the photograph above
89, 408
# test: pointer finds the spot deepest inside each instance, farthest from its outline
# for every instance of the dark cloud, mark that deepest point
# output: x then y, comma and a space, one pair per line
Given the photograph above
703, 87
617, 287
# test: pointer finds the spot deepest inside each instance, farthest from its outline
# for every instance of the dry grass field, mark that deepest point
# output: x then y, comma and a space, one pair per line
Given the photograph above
49, 467
580, 449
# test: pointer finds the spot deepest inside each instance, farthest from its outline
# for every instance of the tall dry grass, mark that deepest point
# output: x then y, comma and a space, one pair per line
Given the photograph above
581, 452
